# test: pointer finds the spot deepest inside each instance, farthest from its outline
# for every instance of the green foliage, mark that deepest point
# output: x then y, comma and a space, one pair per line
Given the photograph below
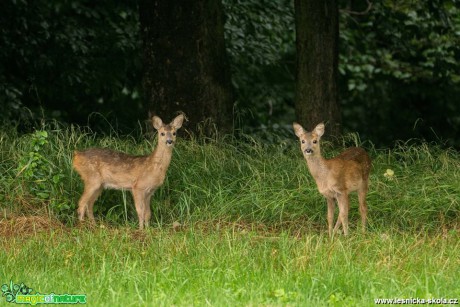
69, 53
260, 43
41, 178
260, 33
399, 67
34, 164
411, 41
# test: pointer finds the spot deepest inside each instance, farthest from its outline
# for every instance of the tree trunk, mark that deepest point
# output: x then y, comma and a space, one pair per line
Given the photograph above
317, 34
185, 62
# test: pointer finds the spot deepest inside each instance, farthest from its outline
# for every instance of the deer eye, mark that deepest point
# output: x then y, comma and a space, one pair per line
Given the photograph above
174, 133
303, 141
315, 141
162, 134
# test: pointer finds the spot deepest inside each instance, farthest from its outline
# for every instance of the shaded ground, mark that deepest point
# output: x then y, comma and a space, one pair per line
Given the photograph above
24, 226
28, 226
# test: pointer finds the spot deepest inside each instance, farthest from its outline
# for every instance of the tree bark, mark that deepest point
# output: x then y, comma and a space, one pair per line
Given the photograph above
185, 63
317, 35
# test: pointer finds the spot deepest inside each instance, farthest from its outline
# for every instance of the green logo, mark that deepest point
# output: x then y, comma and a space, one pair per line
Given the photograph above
21, 294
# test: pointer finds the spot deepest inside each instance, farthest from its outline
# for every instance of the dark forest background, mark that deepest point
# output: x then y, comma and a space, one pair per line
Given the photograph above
81, 62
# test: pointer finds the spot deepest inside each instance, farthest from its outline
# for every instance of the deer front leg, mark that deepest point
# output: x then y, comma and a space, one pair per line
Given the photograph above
147, 210
139, 202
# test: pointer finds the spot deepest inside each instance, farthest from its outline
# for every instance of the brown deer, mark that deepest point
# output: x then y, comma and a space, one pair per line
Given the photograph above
104, 168
336, 177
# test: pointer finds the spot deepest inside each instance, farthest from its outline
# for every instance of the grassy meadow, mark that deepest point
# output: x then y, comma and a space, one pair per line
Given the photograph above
237, 222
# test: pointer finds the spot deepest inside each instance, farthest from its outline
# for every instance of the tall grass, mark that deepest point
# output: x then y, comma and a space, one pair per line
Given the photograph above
238, 180
252, 231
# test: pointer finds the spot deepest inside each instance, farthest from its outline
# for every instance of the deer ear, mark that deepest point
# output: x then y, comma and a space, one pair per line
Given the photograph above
319, 130
157, 122
298, 130
177, 122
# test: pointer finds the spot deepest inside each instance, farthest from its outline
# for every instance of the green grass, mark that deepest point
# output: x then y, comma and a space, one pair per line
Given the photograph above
234, 266
253, 226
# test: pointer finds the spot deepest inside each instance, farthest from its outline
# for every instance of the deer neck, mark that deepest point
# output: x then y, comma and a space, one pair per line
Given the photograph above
317, 166
161, 156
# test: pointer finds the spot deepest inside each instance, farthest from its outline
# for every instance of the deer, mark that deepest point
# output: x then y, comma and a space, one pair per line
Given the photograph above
101, 168
337, 177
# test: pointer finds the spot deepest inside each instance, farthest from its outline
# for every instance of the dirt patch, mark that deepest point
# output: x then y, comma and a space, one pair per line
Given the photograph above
25, 226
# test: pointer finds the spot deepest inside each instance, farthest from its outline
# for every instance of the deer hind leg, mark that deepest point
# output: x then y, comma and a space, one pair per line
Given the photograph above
363, 206
339, 221
87, 199
139, 202
330, 213
337, 224
343, 203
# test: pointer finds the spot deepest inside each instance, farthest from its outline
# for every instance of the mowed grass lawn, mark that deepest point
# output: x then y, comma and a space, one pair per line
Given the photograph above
236, 223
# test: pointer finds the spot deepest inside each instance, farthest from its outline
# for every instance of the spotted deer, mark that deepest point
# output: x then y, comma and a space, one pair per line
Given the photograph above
336, 177
104, 168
